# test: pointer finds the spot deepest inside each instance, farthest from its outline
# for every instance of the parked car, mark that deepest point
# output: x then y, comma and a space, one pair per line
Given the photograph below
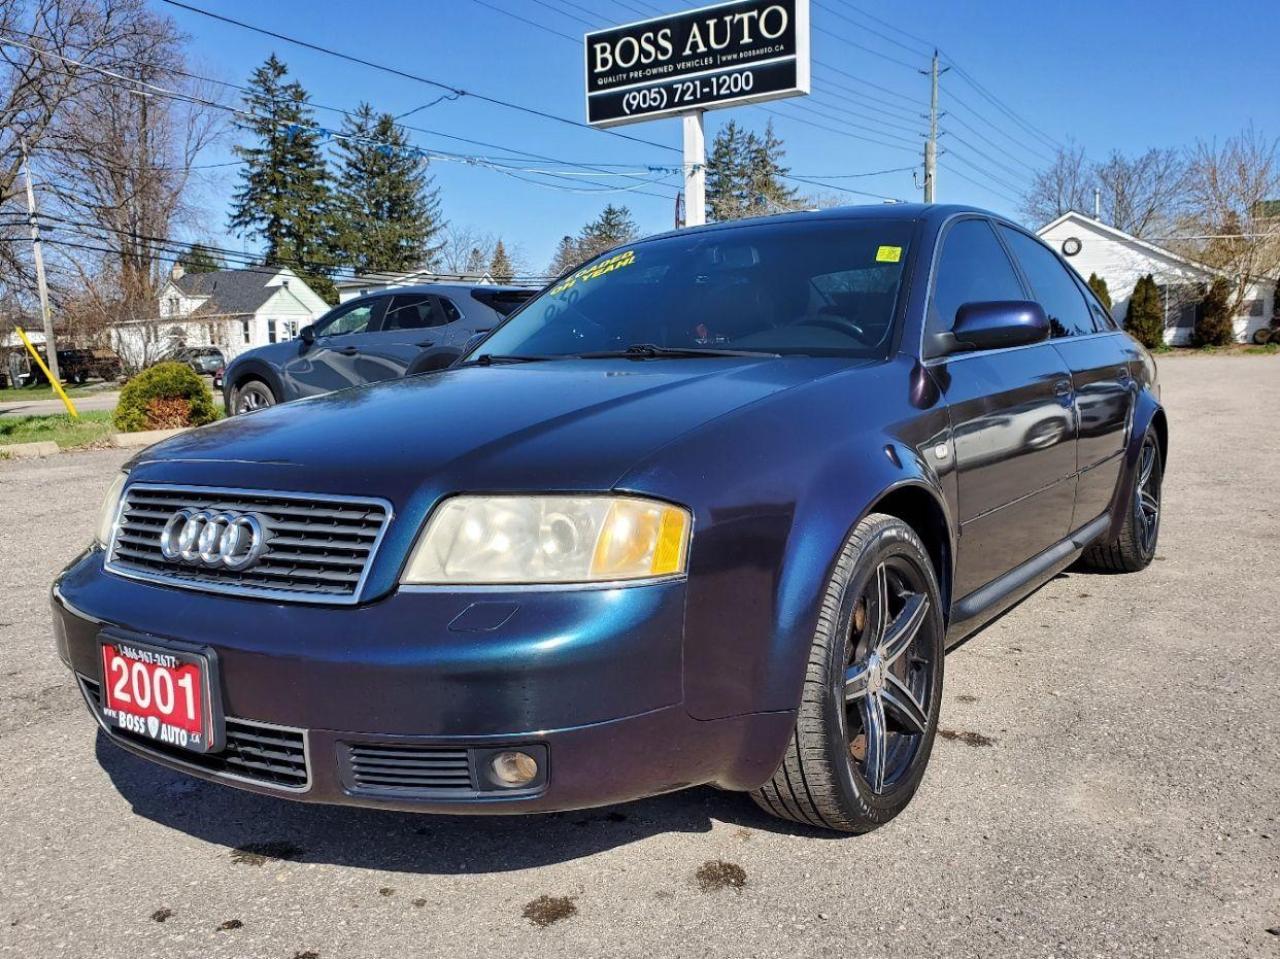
711, 509
80, 365
205, 360
381, 336
218, 376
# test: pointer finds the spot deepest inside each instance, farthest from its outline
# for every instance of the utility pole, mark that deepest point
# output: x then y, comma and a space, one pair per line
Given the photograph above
931, 144
50, 349
695, 170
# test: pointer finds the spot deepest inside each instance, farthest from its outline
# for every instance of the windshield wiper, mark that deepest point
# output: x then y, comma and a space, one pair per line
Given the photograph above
644, 351
494, 359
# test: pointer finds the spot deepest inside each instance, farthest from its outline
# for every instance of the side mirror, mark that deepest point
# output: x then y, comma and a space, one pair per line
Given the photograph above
997, 325
307, 334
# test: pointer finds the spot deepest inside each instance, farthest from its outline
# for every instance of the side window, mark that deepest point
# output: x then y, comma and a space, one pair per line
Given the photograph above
354, 318
972, 268
411, 312
1053, 286
1103, 321
451, 312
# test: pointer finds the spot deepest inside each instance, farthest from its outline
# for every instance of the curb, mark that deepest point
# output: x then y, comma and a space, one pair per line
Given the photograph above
127, 441
27, 451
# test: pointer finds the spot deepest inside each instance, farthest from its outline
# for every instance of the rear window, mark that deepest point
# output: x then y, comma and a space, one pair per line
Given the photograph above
503, 302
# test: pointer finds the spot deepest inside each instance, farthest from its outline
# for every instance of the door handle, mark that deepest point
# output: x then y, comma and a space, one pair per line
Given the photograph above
1062, 388
425, 343
347, 350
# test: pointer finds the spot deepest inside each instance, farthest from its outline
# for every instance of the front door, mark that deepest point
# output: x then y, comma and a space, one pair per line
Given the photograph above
412, 324
334, 361
1013, 427
1099, 358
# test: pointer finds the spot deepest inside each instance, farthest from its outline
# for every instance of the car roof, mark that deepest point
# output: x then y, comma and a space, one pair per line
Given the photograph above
933, 212
457, 289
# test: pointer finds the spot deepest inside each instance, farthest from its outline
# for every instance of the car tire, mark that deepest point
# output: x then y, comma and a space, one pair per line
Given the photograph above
252, 395
868, 713
1134, 547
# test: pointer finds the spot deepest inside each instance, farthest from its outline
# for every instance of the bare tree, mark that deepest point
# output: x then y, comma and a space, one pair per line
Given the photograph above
464, 250
1066, 184
1145, 194
1232, 227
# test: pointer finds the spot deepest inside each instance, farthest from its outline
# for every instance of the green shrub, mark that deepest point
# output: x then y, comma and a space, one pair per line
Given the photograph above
1214, 326
165, 396
1099, 287
1144, 319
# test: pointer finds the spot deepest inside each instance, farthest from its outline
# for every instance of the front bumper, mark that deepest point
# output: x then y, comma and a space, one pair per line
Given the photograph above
591, 679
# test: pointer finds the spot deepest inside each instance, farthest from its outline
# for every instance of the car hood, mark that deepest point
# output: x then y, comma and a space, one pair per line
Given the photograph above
559, 425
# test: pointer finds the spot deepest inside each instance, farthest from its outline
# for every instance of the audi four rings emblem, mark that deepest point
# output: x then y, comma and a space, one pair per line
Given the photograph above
213, 538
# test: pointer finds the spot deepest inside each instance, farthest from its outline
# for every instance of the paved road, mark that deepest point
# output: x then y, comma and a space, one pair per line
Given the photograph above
1123, 800
87, 403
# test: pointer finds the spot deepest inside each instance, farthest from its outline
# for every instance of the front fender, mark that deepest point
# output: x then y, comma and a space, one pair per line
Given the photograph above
1147, 412
775, 491
251, 368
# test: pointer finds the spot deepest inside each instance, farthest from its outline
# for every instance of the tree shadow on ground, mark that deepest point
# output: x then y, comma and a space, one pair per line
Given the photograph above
250, 825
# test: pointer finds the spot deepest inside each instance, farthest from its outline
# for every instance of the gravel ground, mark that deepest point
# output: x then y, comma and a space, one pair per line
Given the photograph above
1120, 795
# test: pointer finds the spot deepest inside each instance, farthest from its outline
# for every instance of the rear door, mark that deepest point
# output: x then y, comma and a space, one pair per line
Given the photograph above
1012, 422
1100, 358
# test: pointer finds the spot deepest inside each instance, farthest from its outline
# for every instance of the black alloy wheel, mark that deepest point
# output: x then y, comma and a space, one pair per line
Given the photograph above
868, 713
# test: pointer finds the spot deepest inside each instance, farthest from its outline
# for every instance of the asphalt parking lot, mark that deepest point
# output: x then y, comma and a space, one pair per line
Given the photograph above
1108, 783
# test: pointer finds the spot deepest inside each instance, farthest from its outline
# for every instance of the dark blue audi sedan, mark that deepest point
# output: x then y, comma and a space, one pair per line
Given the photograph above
709, 509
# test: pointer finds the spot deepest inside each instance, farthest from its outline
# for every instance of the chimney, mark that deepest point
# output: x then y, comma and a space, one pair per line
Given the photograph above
177, 272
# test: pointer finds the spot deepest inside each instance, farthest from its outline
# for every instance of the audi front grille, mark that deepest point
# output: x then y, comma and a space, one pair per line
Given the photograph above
317, 548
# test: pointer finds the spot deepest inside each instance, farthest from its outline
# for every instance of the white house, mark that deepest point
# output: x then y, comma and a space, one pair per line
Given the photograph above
363, 283
234, 310
1119, 258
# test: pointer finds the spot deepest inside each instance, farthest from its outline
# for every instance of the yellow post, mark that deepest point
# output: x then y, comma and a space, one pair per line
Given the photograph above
57, 387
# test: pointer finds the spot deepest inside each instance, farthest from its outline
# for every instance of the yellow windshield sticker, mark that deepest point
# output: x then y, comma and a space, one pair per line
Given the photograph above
615, 262
889, 254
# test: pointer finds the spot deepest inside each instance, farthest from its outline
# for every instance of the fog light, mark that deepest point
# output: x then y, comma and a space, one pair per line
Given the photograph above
514, 769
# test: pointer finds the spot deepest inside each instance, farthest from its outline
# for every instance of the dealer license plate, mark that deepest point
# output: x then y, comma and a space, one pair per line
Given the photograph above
158, 693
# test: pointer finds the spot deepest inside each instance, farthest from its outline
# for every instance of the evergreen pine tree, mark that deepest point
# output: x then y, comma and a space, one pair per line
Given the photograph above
1213, 318
1099, 287
765, 173
201, 259
727, 174
500, 267
387, 210
284, 197
566, 256
612, 227
1144, 319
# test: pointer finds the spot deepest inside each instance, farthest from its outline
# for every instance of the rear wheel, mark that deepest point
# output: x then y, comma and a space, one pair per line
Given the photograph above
252, 395
1134, 547
873, 688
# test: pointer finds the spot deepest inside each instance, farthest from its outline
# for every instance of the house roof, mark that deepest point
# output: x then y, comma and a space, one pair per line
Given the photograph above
1100, 227
230, 292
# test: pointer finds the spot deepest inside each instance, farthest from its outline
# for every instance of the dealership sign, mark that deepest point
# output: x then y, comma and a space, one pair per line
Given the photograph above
731, 53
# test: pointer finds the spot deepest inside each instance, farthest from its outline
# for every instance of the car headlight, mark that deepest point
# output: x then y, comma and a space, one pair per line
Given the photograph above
110, 506
480, 540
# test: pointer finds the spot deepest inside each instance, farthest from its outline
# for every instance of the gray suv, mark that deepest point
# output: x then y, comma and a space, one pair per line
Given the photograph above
408, 330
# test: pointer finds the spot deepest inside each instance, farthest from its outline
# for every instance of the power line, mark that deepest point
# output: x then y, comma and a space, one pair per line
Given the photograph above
844, 133
394, 71
853, 126
516, 16
875, 86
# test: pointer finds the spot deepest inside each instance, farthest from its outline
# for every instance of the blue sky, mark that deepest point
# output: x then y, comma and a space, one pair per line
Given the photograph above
1104, 74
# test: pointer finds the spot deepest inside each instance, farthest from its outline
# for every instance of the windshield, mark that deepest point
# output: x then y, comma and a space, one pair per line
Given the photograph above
822, 288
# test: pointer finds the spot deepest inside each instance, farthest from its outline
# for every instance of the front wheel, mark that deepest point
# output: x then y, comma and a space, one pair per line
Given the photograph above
252, 395
873, 688
1134, 547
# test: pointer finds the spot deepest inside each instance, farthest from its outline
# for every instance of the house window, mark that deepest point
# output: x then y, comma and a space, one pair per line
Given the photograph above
1251, 308
271, 331
173, 306
244, 330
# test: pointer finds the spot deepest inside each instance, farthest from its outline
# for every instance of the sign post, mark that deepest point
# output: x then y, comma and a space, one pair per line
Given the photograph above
747, 51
